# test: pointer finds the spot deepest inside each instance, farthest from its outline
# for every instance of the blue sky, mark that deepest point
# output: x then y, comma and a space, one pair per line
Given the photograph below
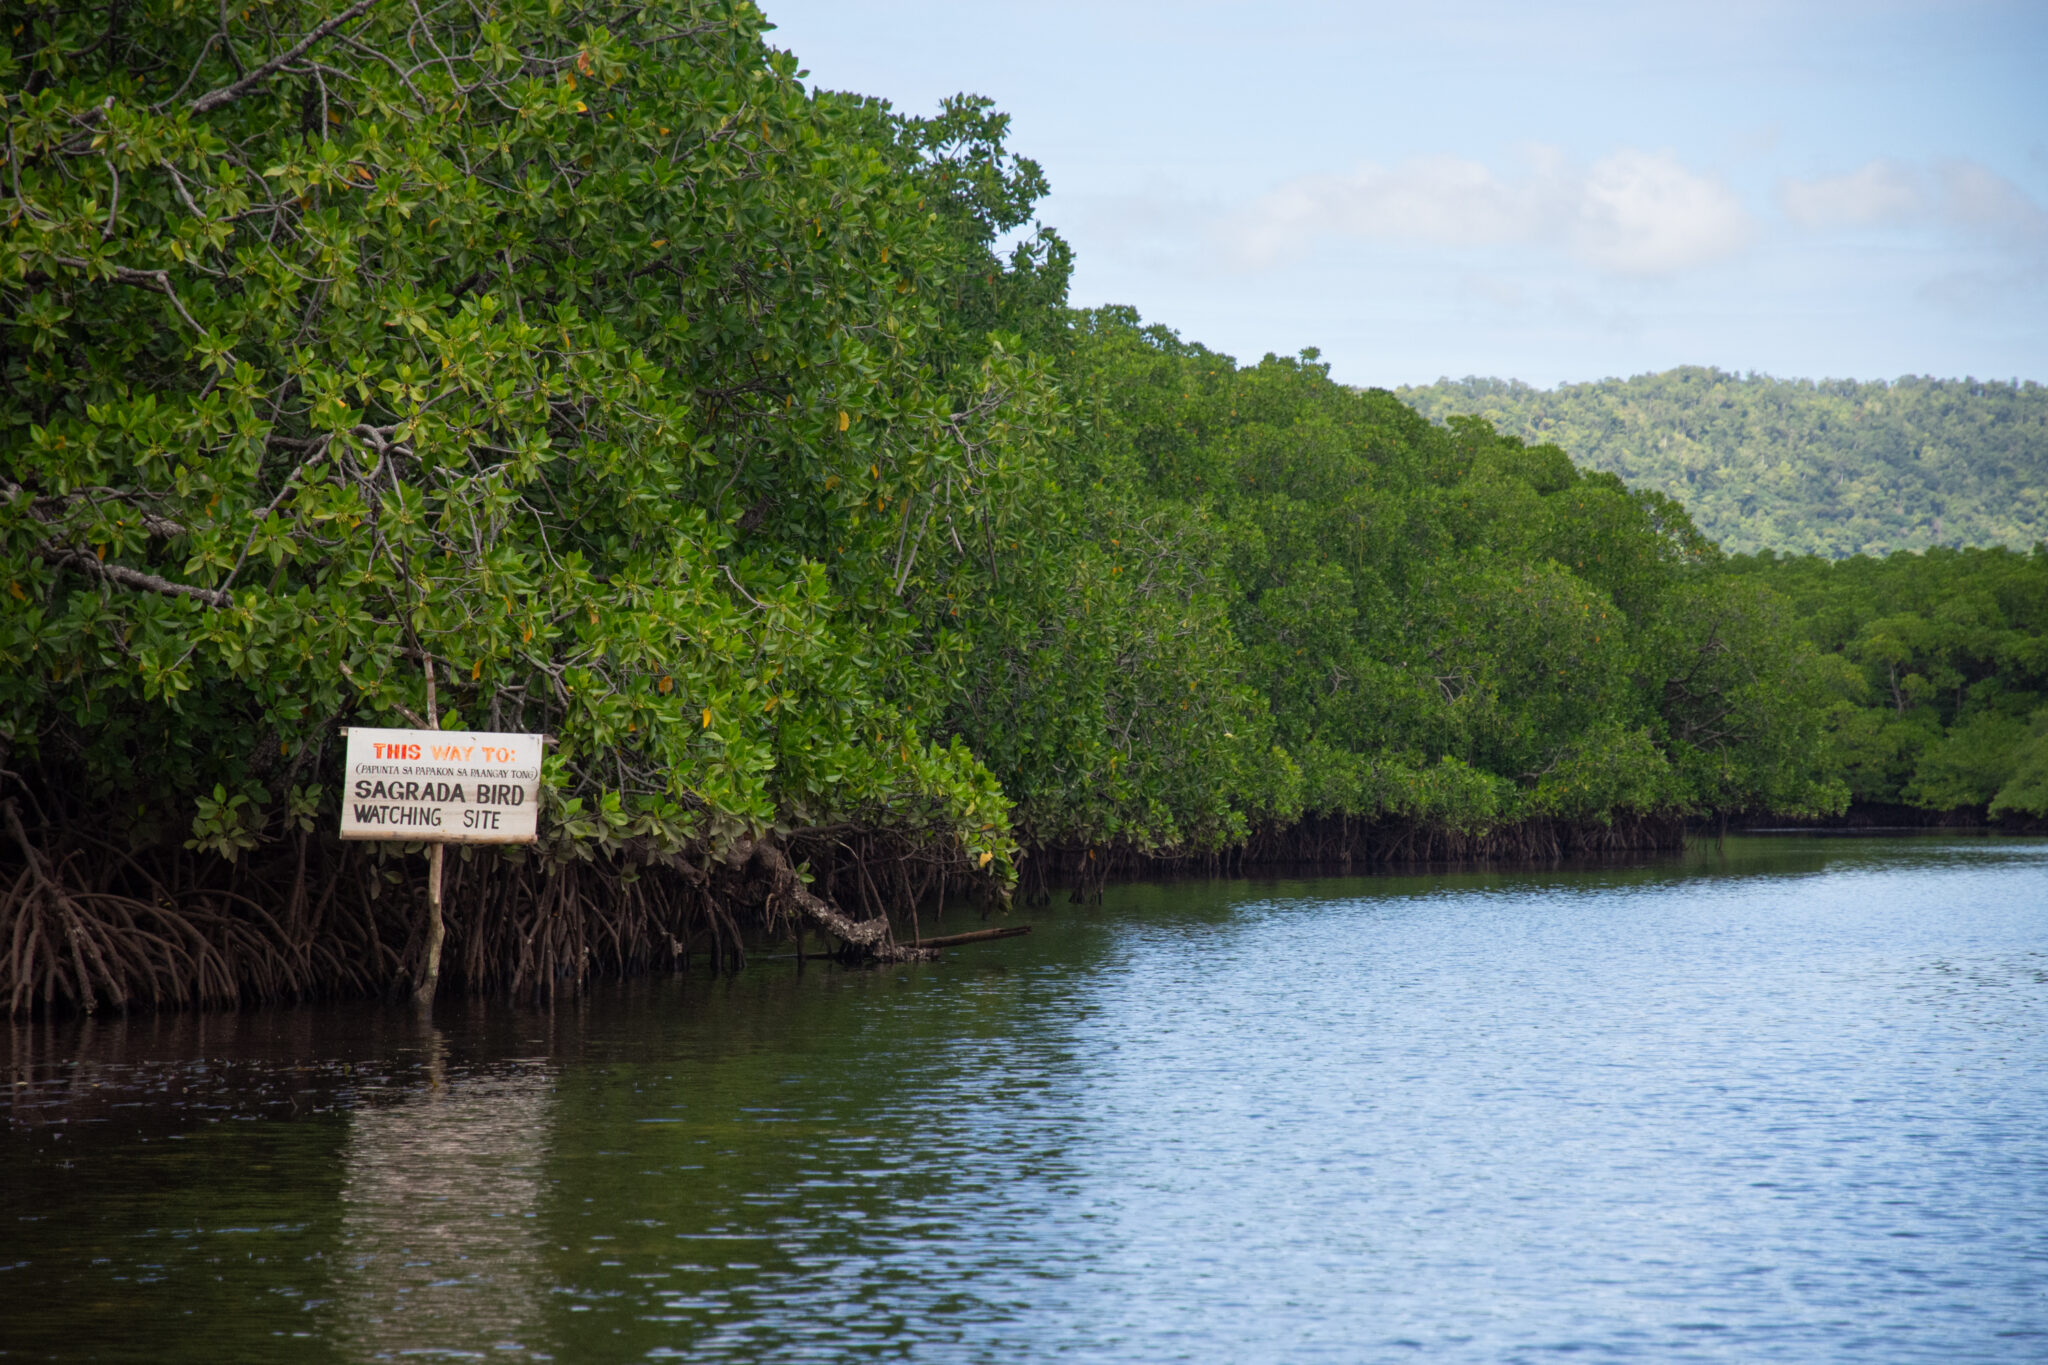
1547, 192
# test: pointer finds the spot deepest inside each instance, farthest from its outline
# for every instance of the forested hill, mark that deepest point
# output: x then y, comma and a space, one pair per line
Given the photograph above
1833, 467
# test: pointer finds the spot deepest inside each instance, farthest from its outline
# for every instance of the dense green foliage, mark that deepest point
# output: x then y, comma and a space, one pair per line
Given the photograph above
1941, 687
582, 353
1260, 595
582, 370
1831, 468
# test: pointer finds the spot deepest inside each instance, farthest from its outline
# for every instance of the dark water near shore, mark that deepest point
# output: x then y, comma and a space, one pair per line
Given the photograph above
1786, 1103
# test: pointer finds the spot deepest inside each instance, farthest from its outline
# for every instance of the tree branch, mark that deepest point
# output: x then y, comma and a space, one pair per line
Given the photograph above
214, 99
871, 935
158, 280
93, 567
47, 509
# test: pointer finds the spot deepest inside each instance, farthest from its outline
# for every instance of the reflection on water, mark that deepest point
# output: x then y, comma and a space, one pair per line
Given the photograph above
1780, 1099
438, 1248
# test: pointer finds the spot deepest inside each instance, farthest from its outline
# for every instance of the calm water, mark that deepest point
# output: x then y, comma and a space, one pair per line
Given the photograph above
1790, 1103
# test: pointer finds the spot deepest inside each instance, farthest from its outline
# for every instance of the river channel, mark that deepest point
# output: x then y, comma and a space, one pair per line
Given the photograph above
1785, 1099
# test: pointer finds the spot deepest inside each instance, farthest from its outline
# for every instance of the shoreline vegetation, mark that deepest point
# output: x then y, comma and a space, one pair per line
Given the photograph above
590, 362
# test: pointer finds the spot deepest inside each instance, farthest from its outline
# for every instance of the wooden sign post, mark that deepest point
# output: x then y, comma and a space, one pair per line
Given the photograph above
440, 787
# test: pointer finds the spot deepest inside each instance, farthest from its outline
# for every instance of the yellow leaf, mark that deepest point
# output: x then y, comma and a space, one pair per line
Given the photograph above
707, 718
665, 685
844, 420
477, 672
15, 588
987, 858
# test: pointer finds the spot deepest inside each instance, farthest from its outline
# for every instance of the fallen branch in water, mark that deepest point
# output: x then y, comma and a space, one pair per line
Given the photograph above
978, 936
868, 937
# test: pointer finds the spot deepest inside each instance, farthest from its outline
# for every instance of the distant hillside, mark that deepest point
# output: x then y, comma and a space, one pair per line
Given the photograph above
1831, 468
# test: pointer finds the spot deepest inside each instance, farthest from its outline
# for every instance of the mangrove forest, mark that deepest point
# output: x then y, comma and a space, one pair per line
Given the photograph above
580, 369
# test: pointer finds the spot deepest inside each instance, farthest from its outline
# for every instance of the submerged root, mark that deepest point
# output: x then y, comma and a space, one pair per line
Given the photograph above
87, 927
1336, 842
82, 948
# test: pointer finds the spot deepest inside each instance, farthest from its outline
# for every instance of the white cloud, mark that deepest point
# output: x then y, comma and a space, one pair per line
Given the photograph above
1631, 213
1956, 194
1881, 192
1642, 213
1979, 199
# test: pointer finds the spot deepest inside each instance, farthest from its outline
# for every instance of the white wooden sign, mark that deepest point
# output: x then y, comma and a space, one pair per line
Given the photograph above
441, 787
